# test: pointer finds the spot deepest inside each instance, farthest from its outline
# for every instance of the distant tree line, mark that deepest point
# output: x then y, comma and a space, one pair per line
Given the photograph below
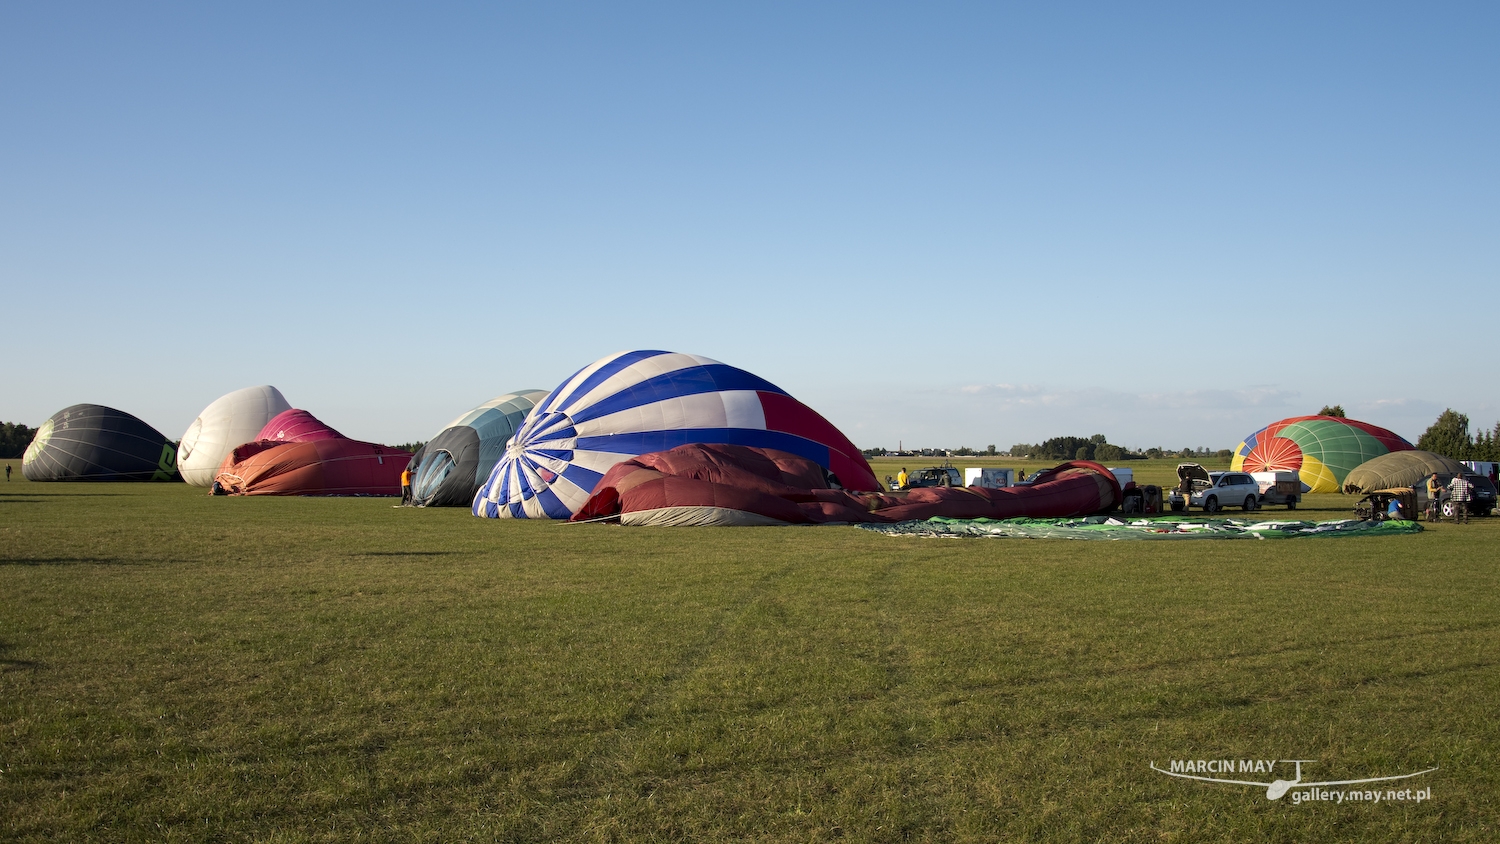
961, 451
13, 439
1098, 448
1449, 436
412, 447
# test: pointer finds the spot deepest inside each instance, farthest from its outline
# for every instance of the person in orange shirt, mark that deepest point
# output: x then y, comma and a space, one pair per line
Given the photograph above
405, 485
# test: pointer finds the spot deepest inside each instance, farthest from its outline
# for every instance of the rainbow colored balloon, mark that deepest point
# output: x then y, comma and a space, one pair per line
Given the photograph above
1324, 449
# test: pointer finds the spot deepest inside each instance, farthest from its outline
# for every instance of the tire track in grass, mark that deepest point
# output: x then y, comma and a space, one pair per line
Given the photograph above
592, 776
893, 658
1220, 658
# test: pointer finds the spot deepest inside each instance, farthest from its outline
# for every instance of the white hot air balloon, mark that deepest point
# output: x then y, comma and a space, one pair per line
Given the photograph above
231, 420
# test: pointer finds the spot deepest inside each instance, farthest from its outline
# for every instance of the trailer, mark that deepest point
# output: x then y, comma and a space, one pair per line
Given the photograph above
1280, 488
989, 478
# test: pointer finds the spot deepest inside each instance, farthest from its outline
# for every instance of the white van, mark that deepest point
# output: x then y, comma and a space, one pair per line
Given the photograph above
990, 478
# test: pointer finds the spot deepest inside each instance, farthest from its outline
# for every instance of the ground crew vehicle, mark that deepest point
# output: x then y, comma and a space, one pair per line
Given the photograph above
1213, 491
933, 476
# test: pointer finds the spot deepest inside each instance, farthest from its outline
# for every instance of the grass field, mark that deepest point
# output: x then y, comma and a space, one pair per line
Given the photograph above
175, 667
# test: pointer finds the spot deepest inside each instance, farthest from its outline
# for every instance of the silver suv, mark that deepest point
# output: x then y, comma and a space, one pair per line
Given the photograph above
1226, 489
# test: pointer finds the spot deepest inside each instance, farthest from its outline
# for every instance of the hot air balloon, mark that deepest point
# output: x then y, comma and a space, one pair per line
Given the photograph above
296, 426
330, 466
296, 454
1324, 449
725, 485
456, 462
634, 403
231, 420
1398, 469
91, 442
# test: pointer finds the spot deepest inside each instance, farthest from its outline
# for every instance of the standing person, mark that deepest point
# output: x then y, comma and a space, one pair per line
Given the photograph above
405, 485
1458, 493
901, 478
1434, 498
7, 473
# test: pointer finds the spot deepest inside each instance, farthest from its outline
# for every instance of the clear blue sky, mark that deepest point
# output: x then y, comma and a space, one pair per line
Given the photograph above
945, 224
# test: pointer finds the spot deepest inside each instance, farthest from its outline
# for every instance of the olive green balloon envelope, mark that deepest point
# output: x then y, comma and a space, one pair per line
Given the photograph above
1399, 469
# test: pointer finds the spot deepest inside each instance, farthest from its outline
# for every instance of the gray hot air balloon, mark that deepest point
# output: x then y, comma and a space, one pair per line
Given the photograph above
91, 442
453, 464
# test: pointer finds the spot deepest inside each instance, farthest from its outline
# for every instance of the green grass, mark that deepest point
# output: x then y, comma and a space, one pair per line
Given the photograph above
175, 667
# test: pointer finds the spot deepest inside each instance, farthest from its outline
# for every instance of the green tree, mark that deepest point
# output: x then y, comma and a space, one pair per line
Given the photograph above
14, 439
1333, 410
1448, 436
1108, 453
1483, 445
1065, 448
1487, 445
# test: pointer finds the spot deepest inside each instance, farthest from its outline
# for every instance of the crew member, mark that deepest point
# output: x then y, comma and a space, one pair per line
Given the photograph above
1458, 493
1186, 488
405, 485
1394, 510
901, 478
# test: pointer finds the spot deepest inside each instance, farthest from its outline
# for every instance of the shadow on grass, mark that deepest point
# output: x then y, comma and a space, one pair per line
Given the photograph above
8, 664
403, 553
1223, 658
74, 561
58, 494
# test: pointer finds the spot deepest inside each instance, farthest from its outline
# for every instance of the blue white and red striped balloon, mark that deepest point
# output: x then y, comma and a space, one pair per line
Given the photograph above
635, 403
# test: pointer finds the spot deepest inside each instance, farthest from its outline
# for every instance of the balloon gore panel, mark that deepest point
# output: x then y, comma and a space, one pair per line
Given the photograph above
296, 426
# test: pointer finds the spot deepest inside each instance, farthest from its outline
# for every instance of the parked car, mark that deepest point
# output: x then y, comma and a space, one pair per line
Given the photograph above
1481, 497
1214, 491
933, 476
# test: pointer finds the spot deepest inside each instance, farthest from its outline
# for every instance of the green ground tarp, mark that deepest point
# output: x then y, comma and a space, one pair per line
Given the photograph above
1170, 527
